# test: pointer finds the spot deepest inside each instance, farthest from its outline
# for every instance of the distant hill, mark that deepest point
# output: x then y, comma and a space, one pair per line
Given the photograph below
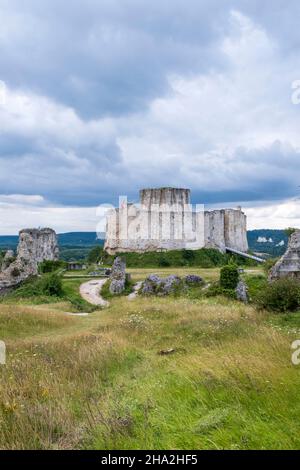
8, 242
76, 245
272, 242
64, 239
80, 238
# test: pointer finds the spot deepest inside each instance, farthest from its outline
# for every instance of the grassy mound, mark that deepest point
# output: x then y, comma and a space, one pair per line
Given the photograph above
203, 258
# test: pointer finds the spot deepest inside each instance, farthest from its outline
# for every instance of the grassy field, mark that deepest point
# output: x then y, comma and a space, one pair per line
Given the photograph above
104, 382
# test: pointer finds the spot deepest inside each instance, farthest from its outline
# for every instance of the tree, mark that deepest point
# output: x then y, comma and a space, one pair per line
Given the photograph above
289, 231
95, 254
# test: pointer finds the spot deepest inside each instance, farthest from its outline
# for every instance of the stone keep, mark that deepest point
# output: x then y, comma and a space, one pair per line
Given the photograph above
165, 220
34, 247
289, 263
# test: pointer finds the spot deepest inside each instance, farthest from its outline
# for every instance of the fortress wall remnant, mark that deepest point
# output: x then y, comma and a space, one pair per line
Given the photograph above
289, 264
34, 247
38, 245
165, 220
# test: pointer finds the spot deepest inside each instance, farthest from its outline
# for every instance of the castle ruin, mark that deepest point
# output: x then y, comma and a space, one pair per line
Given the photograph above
35, 246
165, 220
289, 264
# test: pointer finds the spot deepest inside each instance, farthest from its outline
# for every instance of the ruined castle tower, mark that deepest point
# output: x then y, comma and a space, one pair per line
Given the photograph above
34, 247
165, 220
38, 245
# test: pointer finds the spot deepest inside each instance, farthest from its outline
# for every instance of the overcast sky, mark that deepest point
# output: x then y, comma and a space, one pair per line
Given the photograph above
104, 97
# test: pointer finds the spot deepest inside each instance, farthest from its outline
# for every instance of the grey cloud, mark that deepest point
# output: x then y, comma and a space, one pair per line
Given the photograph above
106, 57
111, 59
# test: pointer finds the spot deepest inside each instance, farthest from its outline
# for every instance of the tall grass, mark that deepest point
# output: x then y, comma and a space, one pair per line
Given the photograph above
102, 382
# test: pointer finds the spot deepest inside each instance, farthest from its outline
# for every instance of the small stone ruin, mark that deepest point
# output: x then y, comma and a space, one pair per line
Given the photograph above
241, 292
118, 276
155, 285
289, 263
35, 246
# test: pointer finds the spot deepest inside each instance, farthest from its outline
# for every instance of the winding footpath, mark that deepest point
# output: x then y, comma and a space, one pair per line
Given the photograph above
90, 291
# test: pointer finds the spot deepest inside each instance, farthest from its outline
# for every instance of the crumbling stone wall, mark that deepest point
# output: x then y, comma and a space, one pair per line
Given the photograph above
34, 247
166, 220
289, 263
38, 245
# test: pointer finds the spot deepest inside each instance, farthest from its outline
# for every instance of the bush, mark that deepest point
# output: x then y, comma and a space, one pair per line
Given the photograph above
52, 285
269, 263
49, 285
188, 255
49, 266
229, 277
255, 284
280, 296
215, 290
95, 254
163, 262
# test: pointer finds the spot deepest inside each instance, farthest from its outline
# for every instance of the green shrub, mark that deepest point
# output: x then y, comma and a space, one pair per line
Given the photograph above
188, 255
51, 285
229, 277
280, 296
255, 284
49, 266
47, 285
269, 263
95, 254
215, 289
163, 262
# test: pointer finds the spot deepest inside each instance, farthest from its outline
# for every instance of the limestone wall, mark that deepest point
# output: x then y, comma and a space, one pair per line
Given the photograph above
235, 229
215, 229
164, 196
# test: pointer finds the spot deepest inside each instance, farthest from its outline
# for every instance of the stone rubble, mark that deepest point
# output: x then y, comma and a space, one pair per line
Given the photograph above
154, 285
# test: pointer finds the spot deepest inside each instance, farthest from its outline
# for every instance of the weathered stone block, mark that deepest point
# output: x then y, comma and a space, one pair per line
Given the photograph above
118, 276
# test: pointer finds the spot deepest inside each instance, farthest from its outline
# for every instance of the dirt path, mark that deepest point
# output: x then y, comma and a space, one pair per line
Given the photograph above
90, 291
